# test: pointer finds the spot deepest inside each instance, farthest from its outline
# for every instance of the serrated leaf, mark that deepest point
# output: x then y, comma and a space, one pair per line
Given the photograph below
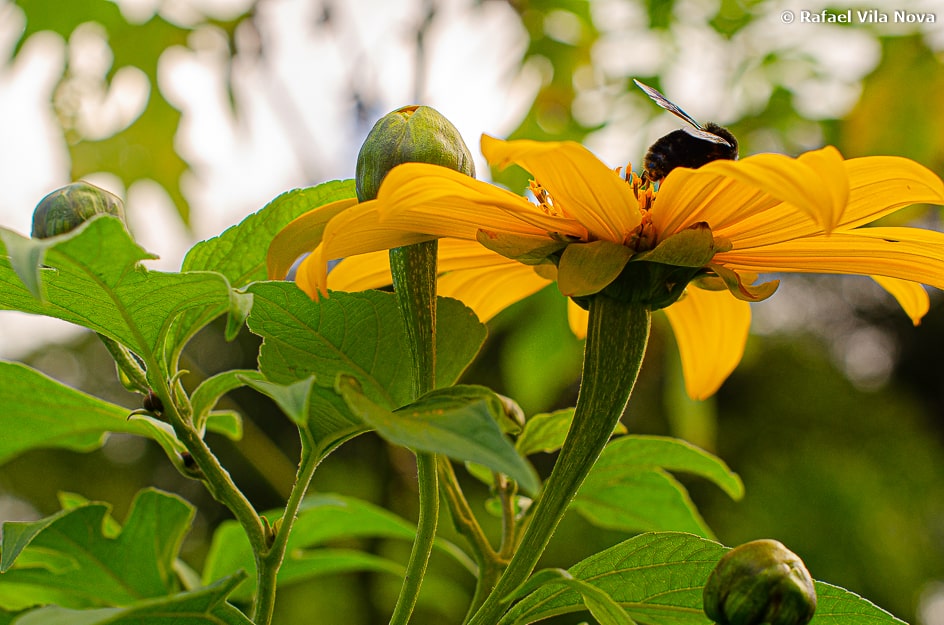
459, 421
101, 570
656, 578
39, 412
355, 334
204, 606
239, 253
91, 277
838, 606
629, 489
322, 518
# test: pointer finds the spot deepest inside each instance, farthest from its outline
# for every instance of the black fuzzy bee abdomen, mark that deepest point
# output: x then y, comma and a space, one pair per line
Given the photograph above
681, 149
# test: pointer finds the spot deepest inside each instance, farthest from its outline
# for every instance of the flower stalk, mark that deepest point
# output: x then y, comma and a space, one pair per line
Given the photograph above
414, 281
617, 335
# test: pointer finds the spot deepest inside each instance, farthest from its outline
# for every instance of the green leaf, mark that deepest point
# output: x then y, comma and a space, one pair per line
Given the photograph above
459, 421
586, 268
205, 397
644, 501
229, 423
355, 334
39, 412
629, 489
630, 454
66, 559
239, 253
656, 578
838, 606
600, 605
204, 606
294, 398
322, 518
92, 277
545, 432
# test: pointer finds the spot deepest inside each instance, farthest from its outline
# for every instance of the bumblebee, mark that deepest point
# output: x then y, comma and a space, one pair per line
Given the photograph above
691, 146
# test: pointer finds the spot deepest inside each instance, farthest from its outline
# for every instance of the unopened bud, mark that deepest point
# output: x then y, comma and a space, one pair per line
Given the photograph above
66, 208
412, 134
760, 582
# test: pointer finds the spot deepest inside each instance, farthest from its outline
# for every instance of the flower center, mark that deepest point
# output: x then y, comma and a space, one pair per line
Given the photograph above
644, 237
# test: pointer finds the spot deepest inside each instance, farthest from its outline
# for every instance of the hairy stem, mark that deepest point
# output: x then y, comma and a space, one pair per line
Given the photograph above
269, 562
414, 282
616, 342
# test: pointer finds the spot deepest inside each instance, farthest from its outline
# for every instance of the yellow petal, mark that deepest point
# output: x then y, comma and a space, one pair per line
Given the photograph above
816, 183
361, 272
301, 235
353, 231
436, 200
911, 296
577, 318
484, 281
580, 184
907, 253
711, 330
757, 195
878, 186
489, 290
689, 196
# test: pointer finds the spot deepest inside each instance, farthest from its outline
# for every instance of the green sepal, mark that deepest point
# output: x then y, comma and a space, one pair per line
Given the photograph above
692, 247
587, 268
524, 249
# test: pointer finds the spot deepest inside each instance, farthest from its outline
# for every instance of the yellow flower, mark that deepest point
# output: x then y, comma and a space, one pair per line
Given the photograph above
707, 232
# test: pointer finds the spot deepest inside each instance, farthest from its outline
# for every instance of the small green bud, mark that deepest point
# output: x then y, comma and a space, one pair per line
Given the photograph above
760, 582
412, 134
66, 208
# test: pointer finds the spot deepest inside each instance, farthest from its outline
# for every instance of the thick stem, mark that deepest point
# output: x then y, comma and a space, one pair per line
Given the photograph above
269, 562
414, 282
616, 342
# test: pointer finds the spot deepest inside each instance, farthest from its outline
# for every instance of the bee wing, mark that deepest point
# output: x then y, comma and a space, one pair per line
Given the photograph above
707, 136
671, 107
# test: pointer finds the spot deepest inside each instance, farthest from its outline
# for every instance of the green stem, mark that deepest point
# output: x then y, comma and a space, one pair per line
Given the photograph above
462, 517
268, 562
126, 364
216, 478
617, 334
414, 282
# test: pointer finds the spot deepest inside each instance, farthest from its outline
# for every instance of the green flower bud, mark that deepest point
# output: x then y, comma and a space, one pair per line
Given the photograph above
412, 134
760, 582
66, 208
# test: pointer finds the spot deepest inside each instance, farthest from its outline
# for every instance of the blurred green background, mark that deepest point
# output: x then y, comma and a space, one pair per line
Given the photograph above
833, 419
